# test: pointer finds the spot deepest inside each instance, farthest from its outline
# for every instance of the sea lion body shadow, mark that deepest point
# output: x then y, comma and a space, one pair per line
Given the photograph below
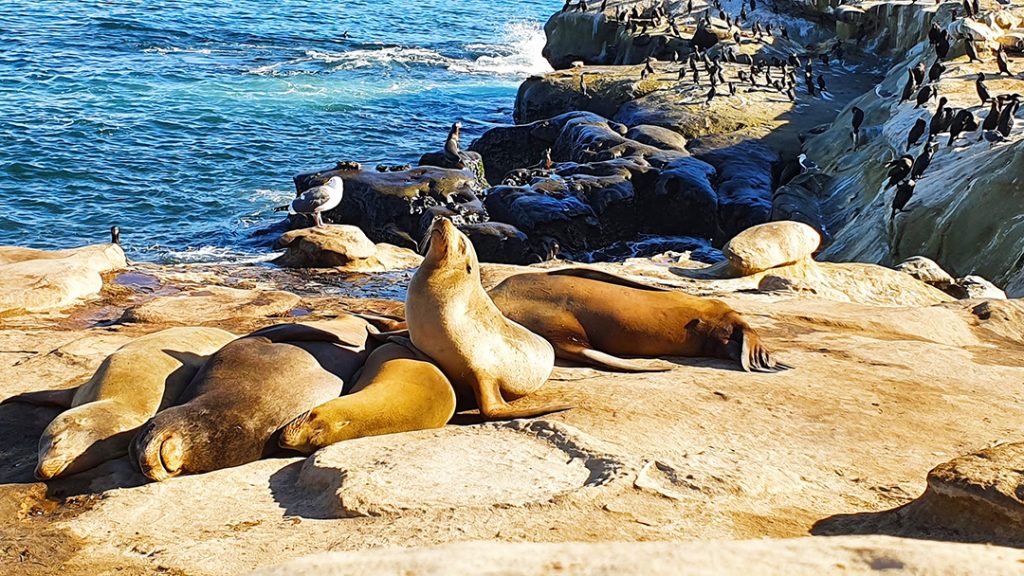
453, 321
398, 390
130, 386
233, 410
595, 318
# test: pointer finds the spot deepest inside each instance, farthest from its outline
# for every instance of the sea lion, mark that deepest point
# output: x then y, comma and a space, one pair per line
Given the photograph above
453, 321
592, 317
130, 386
247, 392
398, 390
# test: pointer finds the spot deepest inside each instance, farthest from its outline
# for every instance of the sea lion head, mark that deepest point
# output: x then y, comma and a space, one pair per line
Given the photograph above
305, 434
160, 448
450, 249
80, 439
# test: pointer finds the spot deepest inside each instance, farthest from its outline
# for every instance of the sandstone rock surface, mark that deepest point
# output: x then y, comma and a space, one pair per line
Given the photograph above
36, 280
211, 304
841, 555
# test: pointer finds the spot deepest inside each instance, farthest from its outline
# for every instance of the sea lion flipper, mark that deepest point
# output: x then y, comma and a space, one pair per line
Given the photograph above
614, 363
599, 276
304, 333
60, 398
754, 357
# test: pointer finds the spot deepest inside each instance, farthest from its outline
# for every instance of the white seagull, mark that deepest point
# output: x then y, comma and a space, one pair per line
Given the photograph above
317, 199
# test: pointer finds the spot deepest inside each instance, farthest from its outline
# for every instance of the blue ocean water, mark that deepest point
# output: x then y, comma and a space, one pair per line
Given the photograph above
183, 121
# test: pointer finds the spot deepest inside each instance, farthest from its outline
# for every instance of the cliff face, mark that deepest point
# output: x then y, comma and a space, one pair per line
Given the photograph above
966, 210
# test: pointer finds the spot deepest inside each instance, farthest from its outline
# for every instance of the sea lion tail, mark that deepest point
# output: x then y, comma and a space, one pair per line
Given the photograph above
752, 355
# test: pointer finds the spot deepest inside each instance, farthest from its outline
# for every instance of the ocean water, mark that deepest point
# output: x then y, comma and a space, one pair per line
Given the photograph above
183, 122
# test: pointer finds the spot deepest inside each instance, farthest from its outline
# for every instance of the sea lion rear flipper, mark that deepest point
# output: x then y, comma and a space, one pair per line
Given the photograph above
599, 276
754, 357
607, 361
60, 398
384, 323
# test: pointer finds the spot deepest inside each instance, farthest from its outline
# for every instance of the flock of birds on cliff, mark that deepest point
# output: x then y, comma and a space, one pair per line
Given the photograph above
905, 171
640, 19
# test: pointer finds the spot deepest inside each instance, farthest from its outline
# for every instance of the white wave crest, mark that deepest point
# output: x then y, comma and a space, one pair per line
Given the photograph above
519, 54
172, 50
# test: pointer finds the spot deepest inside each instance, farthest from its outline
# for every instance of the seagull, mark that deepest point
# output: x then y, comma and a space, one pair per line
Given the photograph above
806, 165
316, 200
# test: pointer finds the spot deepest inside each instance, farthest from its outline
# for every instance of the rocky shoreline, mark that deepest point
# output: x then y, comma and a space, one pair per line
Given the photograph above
897, 433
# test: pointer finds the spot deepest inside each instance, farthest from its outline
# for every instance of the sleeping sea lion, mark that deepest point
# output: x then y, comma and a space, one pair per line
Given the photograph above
398, 390
592, 317
453, 321
247, 392
130, 386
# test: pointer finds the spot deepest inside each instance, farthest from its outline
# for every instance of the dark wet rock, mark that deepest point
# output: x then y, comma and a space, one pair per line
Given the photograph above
584, 140
682, 201
799, 201
396, 207
658, 137
507, 148
471, 162
547, 211
501, 243
744, 185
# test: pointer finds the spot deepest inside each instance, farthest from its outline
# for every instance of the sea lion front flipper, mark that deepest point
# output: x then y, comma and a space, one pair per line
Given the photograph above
602, 360
59, 398
607, 278
494, 407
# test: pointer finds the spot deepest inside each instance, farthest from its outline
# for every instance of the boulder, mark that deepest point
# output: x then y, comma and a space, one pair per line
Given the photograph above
976, 287
208, 304
927, 271
770, 246
327, 247
682, 202
659, 137
37, 280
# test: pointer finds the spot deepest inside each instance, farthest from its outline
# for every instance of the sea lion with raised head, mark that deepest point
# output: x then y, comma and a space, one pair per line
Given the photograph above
235, 406
398, 390
130, 386
595, 318
453, 321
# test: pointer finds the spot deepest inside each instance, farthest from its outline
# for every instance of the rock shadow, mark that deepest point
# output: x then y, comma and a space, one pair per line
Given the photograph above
298, 501
930, 517
21, 425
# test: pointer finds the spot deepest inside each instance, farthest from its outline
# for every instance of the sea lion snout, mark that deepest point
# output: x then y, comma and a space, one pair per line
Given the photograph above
49, 467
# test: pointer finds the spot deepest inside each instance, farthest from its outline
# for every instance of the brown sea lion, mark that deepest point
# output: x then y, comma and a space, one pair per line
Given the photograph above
130, 386
592, 317
398, 390
453, 321
235, 406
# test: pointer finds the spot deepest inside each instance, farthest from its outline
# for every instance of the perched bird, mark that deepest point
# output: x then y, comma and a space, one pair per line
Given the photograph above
935, 72
857, 120
583, 86
918, 72
942, 46
732, 89
821, 84
115, 235
926, 93
899, 169
711, 96
1006, 117
1004, 68
806, 165
962, 122
791, 92
972, 52
992, 120
784, 31
935, 124
823, 57
904, 192
916, 131
979, 85
452, 153
968, 9
922, 161
908, 88
934, 33
316, 200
